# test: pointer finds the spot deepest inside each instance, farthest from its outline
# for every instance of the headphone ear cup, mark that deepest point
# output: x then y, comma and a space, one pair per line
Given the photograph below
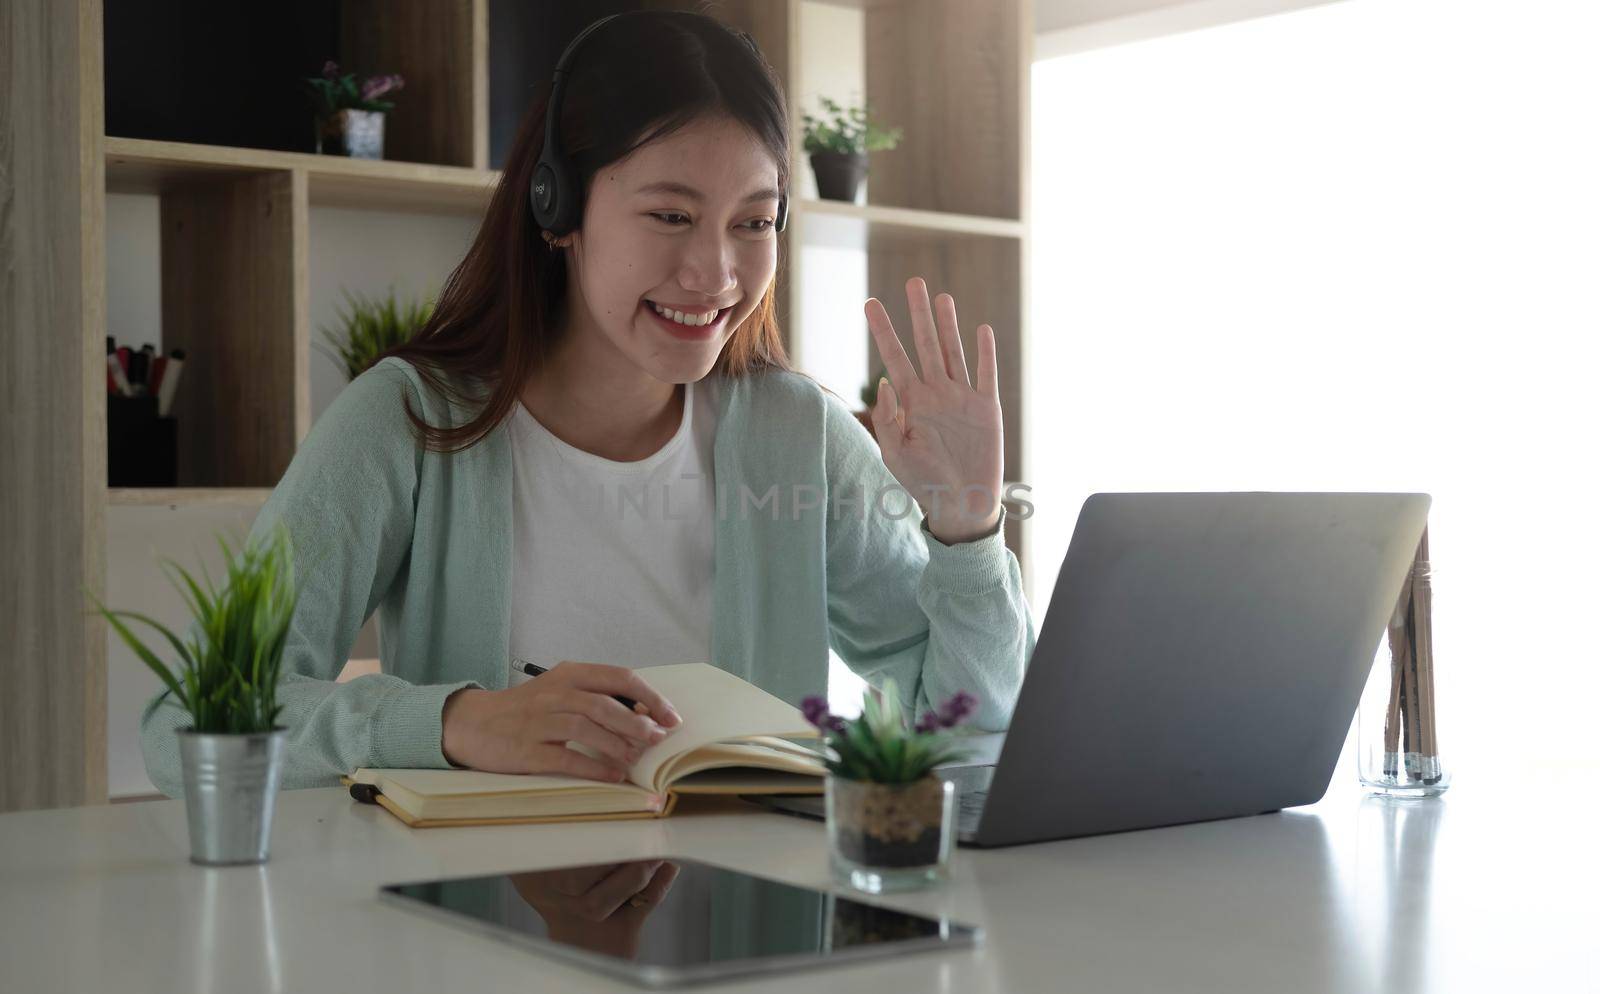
545, 194
554, 206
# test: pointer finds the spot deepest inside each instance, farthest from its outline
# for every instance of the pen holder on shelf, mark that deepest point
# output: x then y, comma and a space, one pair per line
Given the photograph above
141, 446
1397, 732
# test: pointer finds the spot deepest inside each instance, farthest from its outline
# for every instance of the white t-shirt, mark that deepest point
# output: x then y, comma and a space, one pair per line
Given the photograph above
612, 561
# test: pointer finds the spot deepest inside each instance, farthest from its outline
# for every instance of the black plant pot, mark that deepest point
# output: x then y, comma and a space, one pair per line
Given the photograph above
839, 174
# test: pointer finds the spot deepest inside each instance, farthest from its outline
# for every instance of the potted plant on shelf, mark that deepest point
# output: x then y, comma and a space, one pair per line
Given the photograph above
226, 677
372, 328
838, 145
349, 115
891, 821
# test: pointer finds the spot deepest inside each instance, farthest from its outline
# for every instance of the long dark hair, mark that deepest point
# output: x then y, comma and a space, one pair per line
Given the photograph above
638, 78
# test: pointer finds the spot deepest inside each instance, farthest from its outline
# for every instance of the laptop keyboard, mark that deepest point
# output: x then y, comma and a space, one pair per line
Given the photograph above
972, 790
969, 809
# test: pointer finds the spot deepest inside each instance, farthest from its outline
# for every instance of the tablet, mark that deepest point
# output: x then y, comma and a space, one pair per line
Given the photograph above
670, 921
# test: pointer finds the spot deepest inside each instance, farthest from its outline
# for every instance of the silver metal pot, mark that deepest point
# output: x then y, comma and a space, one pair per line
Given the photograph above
230, 785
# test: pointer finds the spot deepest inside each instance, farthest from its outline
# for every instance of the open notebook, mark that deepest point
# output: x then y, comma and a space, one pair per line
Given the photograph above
733, 740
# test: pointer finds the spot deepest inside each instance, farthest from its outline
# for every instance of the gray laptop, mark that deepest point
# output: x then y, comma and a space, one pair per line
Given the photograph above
1202, 658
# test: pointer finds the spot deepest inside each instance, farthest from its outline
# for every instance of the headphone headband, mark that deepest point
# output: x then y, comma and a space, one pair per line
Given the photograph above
553, 190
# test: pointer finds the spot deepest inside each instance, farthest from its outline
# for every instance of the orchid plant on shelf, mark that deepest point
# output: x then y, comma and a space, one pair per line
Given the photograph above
881, 746
334, 91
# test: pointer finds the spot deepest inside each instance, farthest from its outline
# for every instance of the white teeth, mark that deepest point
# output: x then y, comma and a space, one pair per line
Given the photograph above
692, 321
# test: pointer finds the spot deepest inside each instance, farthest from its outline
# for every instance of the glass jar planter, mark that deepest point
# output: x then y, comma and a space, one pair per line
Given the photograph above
1397, 726
890, 836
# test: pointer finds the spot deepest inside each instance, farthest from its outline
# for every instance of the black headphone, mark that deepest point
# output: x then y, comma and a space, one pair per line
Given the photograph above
554, 208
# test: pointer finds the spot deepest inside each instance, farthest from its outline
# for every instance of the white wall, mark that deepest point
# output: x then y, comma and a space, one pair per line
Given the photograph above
367, 252
137, 539
832, 342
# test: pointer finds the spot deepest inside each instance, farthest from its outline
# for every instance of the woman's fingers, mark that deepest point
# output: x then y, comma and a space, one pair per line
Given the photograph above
603, 678
612, 892
955, 360
895, 360
558, 759
935, 331
924, 331
659, 884
574, 881
645, 901
609, 714
988, 377
578, 728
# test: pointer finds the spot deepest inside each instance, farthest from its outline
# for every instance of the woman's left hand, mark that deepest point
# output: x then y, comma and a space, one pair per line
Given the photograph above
940, 434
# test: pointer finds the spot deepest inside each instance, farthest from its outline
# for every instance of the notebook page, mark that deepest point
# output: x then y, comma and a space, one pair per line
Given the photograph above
715, 705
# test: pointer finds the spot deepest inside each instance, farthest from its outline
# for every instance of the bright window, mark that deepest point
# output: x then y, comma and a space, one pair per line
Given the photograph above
1352, 247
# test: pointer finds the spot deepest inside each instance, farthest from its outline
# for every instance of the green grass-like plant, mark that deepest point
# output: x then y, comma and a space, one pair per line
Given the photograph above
881, 746
847, 130
373, 327
226, 676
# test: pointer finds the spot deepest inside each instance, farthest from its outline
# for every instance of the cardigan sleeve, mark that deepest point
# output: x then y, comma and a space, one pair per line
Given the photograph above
348, 502
937, 618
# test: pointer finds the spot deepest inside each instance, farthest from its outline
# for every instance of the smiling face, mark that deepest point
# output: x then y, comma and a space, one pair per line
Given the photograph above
682, 224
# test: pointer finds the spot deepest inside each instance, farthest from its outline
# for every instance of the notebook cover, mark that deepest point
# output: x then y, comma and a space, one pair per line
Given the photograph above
666, 809
398, 812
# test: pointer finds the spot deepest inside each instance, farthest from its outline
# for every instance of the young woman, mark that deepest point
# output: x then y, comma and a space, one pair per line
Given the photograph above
595, 451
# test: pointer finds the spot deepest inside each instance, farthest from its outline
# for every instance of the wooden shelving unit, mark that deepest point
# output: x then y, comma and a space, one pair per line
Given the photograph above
185, 496
950, 205
139, 165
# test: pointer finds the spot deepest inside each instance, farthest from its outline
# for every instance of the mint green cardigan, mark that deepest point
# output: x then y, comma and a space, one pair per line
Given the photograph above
425, 539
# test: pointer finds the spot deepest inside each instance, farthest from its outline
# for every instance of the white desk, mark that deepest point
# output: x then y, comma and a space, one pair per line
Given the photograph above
1492, 888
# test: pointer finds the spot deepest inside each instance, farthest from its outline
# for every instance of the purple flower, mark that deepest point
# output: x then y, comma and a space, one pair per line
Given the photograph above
330, 70
929, 722
815, 709
834, 723
957, 709
377, 86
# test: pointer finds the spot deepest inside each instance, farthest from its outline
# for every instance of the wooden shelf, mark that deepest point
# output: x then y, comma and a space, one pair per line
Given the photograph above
137, 165
933, 222
185, 496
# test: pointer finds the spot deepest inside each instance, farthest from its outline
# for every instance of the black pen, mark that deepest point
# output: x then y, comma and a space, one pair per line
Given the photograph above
534, 669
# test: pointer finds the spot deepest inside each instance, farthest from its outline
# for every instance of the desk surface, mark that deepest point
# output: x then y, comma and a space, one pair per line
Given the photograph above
1490, 888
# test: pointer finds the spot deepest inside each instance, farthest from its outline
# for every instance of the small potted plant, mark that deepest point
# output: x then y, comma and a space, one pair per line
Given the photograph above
226, 677
372, 328
838, 145
891, 821
349, 115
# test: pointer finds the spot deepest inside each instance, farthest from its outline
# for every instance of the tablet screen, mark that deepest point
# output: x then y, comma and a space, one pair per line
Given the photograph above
671, 920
